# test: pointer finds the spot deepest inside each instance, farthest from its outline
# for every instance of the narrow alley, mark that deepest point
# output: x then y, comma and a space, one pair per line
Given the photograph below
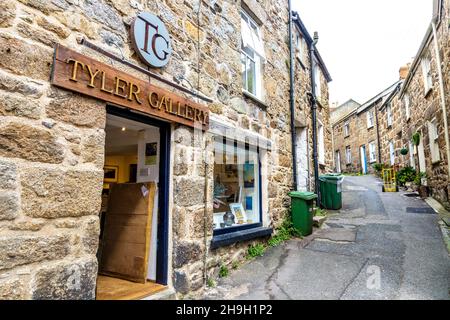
387, 235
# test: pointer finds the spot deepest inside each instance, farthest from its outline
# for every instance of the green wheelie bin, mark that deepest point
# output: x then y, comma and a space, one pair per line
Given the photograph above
302, 205
331, 191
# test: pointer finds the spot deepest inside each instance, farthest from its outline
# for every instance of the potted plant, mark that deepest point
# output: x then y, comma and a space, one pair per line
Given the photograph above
423, 190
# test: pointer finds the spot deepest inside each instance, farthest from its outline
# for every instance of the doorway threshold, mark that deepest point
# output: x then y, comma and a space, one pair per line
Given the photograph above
110, 288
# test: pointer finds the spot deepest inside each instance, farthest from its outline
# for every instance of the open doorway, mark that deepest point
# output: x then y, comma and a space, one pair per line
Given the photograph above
302, 159
362, 152
133, 220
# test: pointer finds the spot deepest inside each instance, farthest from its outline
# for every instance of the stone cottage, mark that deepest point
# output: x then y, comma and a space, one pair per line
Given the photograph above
421, 108
356, 137
181, 108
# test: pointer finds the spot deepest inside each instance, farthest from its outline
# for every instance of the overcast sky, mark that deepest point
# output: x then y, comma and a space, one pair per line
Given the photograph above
364, 42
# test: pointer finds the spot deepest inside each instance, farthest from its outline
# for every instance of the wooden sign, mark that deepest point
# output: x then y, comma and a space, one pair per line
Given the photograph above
79, 73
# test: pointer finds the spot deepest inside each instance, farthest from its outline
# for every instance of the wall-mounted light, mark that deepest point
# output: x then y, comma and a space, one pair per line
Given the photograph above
123, 128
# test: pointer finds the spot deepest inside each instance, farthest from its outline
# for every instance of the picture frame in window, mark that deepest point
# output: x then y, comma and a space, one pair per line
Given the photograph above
238, 211
110, 174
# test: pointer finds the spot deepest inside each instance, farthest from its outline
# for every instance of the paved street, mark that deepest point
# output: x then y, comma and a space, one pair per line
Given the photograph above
374, 234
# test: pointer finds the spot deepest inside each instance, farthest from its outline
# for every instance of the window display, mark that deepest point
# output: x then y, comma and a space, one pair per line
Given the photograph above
236, 184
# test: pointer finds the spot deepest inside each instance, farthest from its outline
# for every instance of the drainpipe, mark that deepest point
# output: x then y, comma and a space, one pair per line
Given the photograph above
291, 100
442, 94
313, 100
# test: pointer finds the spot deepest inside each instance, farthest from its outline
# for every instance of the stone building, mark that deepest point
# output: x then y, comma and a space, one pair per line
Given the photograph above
343, 109
356, 137
421, 109
303, 115
88, 114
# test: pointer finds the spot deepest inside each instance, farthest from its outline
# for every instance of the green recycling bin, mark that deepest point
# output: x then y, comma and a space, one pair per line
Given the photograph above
331, 191
302, 204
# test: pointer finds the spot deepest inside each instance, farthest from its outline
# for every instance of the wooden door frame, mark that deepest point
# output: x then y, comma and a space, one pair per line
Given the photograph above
162, 248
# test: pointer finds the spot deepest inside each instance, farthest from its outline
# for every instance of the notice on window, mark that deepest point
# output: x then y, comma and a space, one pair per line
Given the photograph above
151, 153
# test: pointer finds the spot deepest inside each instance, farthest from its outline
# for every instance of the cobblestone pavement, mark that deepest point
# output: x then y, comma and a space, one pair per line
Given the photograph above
378, 246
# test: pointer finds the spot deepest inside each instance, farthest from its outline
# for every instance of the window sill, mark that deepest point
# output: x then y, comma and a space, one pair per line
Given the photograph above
370, 127
254, 98
237, 236
346, 136
427, 92
436, 162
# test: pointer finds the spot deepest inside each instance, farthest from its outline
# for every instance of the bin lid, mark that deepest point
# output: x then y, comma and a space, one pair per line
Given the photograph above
331, 176
303, 195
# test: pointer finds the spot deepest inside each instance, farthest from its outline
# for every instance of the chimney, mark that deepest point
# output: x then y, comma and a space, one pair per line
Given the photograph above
404, 70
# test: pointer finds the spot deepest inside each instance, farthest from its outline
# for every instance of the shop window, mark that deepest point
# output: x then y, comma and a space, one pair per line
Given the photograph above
426, 73
372, 152
252, 56
370, 119
434, 145
237, 187
406, 102
348, 154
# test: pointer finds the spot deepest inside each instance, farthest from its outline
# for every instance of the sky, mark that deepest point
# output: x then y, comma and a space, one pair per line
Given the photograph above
365, 42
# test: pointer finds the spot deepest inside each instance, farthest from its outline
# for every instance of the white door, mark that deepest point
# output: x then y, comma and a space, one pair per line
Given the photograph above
421, 150
338, 162
302, 159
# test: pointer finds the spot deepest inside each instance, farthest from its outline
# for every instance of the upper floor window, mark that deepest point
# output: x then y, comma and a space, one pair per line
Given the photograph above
370, 119
426, 73
320, 136
299, 46
317, 84
346, 129
406, 102
252, 56
389, 115
434, 145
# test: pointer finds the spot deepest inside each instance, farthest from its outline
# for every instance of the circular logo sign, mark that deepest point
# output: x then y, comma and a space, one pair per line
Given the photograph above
151, 39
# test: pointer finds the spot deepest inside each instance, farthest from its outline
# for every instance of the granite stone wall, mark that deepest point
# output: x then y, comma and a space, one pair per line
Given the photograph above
52, 140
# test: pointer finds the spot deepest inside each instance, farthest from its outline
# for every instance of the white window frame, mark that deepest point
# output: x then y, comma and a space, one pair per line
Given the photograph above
299, 46
412, 163
370, 117
433, 135
317, 82
321, 142
348, 154
407, 104
372, 152
392, 152
426, 73
389, 114
252, 51
346, 129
